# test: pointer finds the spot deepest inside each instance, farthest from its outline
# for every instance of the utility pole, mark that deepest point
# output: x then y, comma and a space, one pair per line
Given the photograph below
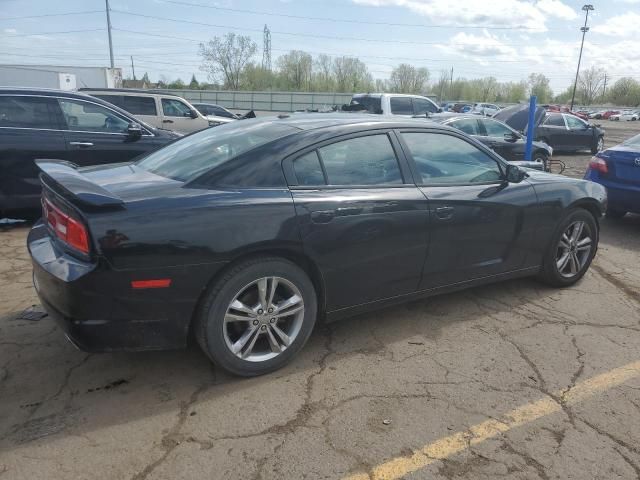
584, 30
109, 31
451, 84
266, 48
604, 87
133, 69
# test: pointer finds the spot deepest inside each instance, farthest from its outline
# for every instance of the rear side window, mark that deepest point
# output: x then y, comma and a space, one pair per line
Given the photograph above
466, 125
372, 104
139, 105
112, 99
175, 108
368, 160
401, 106
308, 169
554, 120
28, 112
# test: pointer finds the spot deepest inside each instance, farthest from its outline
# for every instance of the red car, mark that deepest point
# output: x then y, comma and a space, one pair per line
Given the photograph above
608, 113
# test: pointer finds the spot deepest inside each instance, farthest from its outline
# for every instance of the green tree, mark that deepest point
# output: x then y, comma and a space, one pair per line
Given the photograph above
295, 70
539, 86
226, 57
193, 84
626, 91
406, 78
176, 84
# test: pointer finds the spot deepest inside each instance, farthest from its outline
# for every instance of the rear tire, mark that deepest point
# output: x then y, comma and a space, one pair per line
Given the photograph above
567, 258
244, 323
598, 146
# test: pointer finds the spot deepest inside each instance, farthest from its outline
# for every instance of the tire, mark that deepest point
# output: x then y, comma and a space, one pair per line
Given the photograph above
551, 272
598, 146
543, 158
257, 355
615, 214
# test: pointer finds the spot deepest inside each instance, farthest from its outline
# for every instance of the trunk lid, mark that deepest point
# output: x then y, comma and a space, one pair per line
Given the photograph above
624, 163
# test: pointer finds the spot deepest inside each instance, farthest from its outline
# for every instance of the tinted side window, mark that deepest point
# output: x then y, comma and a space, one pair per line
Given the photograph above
28, 112
575, 122
445, 159
140, 105
174, 108
421, 106
368, 160
90, 117
308, 169
401, 106
467, 125
112, 99
554, 120
495, 129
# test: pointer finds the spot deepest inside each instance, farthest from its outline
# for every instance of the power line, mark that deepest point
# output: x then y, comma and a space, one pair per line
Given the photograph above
54, 33
50, 15
341, 20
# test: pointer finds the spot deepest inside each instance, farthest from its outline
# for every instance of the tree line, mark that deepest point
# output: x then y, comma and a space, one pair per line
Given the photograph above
229, 64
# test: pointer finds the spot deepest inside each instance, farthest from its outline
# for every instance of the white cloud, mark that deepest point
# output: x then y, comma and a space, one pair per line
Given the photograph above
624, 25
556, 8
512, 13
9, 30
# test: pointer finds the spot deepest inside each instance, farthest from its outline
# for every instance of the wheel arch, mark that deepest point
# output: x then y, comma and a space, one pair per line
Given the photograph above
591, 205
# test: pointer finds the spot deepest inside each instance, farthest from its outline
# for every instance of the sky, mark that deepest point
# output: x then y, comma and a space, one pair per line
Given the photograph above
507, 39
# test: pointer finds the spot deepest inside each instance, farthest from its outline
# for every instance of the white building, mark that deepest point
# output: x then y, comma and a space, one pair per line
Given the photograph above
59, 76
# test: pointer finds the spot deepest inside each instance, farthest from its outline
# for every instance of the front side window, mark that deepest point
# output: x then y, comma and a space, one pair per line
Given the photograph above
90, 117
554, 120
401, 106
368, 160
496, 129
197, 154
466, 125
175, 108
421, 106
575, 123
140, 105
445, 159
28, 112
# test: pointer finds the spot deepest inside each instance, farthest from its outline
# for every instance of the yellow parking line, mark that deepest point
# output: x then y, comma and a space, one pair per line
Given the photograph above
445, 447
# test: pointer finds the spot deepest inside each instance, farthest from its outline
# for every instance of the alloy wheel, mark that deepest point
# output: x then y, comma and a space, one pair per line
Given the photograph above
600, 145
574, 249
263, 319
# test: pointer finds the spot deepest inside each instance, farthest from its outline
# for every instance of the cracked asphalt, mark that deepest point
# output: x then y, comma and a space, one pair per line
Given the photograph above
364, 391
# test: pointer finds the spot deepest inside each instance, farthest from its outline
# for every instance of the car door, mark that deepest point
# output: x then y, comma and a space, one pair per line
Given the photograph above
362, 219
179, 117
95, 134
480, 225
579, 134
553, 130
502, 140
30, 128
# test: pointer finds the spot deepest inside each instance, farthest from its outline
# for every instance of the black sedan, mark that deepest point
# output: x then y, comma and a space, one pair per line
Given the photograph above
84, 130
562, 131
502, 139
245, 234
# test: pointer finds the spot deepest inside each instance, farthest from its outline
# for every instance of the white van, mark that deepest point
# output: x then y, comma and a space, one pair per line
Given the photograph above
161, 110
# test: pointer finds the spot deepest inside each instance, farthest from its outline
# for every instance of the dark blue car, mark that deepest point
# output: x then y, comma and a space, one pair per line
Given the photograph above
618, 169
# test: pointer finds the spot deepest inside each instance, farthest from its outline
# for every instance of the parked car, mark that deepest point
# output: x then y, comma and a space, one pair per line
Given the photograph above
487, 109
618, 169
84, 130
215, 113
395, 104
626, 115
161, 110
562, 131
247, 233
502, 139
605, 115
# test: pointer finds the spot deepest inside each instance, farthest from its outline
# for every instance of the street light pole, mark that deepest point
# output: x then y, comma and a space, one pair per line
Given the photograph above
584, 30
109, 31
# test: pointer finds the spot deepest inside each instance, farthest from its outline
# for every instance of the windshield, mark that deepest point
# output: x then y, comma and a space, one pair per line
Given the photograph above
632, 142
190, 157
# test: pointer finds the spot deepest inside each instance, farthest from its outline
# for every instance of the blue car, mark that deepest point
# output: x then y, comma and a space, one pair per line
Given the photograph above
618, 169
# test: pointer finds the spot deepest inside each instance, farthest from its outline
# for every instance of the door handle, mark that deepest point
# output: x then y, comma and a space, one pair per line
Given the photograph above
344, 211
445, 213
81, 144
322, 216
167, 121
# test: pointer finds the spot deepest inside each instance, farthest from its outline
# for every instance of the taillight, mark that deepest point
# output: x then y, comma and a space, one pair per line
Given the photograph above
68, 229
599, 164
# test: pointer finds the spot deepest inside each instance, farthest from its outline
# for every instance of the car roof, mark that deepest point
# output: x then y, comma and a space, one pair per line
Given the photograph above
47, 92
138, 91
355, 95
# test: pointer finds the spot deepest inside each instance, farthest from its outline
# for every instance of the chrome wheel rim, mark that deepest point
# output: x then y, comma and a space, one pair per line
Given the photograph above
600, 145
574, 249
263, 319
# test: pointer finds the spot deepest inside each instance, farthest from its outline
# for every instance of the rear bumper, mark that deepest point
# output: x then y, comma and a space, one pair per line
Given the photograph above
622, 197
95, 306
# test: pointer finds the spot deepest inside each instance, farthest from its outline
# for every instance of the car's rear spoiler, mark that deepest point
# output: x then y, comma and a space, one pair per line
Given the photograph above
63, 177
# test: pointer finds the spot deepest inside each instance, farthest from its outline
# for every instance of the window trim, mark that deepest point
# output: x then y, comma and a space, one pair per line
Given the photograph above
502, 164
148, 134
405, 171
545, 124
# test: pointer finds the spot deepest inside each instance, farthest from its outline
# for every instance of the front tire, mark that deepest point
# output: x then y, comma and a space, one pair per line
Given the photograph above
257, 316
572, 249
598, 146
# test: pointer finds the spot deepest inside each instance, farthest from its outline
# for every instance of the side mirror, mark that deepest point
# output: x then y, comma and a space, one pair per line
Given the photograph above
191, 114
515, 174
439, 110
134, 130
511, 137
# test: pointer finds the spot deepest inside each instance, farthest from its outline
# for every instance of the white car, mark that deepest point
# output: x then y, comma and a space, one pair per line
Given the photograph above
627, 115
395, 104
486, 109
216, 114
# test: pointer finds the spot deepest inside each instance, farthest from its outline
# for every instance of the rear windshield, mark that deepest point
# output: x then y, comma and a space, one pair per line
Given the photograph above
372, 104
191, 156
633, 142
